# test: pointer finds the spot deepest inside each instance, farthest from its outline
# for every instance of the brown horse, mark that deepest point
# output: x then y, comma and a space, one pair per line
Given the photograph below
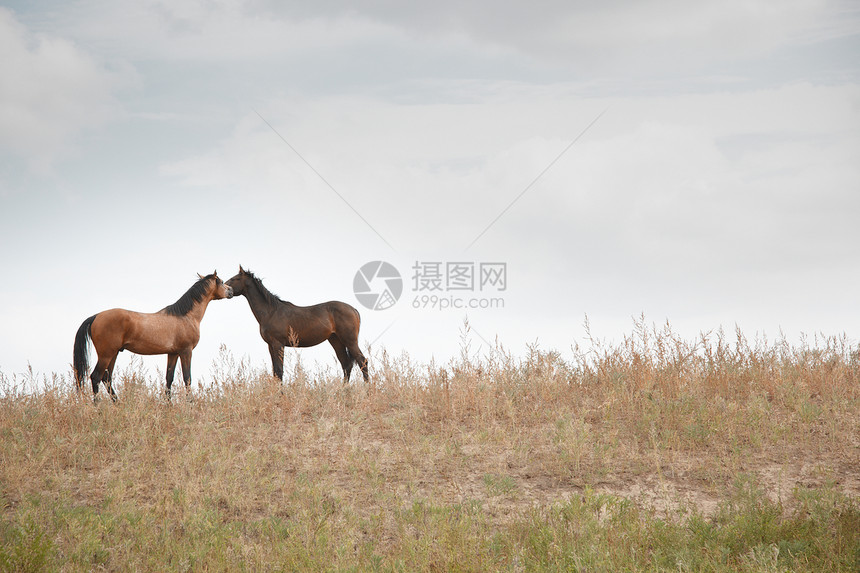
285, 324
173, 330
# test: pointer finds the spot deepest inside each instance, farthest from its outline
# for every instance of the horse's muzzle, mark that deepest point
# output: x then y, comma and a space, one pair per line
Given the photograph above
229, 292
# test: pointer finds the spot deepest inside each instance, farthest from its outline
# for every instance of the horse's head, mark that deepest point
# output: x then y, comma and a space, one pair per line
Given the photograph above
220, 289
239, 283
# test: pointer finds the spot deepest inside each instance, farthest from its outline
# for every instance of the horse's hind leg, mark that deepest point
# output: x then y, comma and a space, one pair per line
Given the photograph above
343, 356
107, 377
356, 354
99, 373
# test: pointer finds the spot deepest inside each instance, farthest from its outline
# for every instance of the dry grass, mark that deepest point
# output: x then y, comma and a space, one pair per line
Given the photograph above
655, 453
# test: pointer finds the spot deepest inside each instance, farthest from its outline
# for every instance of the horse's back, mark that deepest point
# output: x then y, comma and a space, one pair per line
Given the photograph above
114, 319
334, 308
305, 326
342, 308
346, 318
142, 333
342, 314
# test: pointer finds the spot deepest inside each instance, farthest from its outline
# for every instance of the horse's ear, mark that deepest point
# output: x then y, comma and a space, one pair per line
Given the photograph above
199, 276
241, 270
215, 273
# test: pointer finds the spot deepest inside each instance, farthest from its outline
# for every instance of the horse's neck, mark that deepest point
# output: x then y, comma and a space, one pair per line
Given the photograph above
260, 301
198, 310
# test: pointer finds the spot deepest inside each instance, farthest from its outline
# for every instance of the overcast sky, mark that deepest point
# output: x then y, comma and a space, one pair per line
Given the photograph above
695, 162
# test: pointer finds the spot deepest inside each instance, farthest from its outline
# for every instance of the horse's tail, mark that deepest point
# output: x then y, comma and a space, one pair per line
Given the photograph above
81, 361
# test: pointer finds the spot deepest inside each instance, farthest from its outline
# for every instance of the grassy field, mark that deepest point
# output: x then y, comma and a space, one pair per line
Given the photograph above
651, 454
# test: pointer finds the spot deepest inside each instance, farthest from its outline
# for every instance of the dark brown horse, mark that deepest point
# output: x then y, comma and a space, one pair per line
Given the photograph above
285, 324
173, 330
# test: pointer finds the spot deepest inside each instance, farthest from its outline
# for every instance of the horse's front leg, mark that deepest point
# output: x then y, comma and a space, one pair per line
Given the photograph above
171, 368
277, 351
185, 359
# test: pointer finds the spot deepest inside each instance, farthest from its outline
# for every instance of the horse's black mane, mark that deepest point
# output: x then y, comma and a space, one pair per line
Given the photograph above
270, 298
187, 301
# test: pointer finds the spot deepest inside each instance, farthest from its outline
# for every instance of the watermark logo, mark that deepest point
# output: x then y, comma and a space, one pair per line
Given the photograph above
446, 285
436, 285
430, 276
377, 285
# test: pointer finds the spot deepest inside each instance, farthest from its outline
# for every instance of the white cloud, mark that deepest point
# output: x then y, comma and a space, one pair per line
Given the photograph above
700, 199
679, 174
52, 90
221, 32
635, 36
445, 39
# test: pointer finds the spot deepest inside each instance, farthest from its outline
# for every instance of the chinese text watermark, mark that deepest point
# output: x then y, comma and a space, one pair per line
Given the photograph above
436, 285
